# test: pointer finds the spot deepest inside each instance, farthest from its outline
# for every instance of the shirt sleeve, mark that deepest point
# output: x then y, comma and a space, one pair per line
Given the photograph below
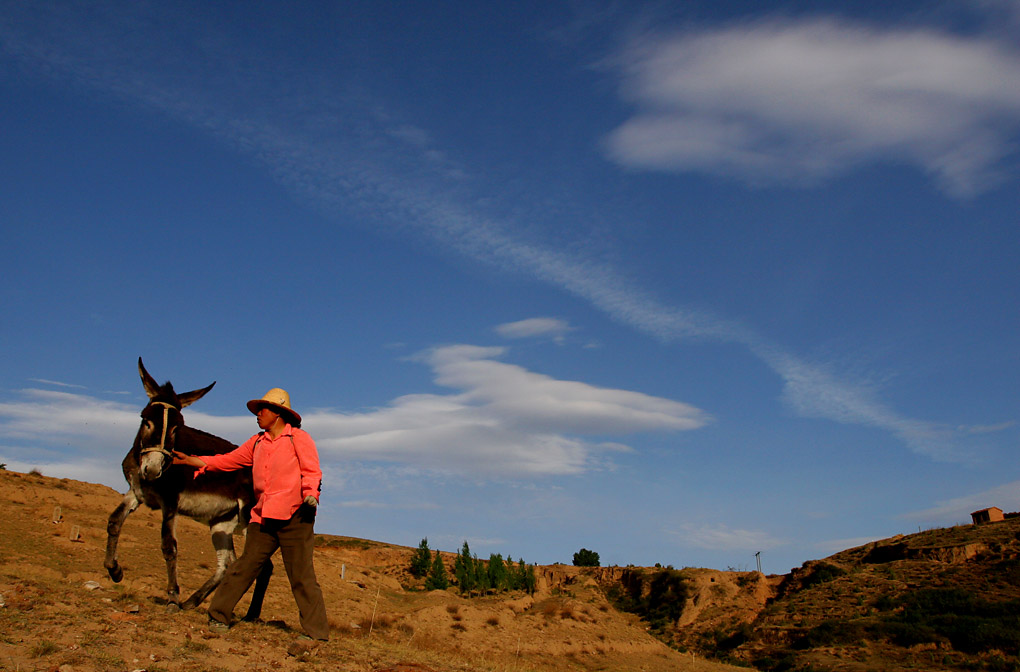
308, 462
238, 458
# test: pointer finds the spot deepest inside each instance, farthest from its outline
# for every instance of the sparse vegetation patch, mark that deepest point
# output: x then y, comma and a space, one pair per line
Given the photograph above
657, 597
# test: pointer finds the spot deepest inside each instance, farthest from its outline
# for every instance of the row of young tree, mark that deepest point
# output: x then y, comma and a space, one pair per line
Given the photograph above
471, 574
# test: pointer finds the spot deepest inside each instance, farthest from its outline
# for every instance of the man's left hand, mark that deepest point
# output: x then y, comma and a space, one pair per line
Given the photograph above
311, 501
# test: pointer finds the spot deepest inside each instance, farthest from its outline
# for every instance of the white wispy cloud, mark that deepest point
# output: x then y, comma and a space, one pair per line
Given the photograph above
831, 546
66, 415
501, 420
551, 327
723, 538
57, 383
796, 101
1006, 497
692, 84
987, 429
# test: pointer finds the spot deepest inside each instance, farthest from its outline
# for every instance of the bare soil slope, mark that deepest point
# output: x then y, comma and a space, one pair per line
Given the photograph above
61, 612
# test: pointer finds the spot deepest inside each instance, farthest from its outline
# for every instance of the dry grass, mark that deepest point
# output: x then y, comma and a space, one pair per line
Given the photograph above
51, 620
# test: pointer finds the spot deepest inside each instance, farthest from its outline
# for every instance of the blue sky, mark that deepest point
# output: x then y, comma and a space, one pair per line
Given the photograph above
676, 283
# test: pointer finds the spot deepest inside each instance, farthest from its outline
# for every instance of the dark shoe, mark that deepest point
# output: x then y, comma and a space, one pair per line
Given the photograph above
218, 626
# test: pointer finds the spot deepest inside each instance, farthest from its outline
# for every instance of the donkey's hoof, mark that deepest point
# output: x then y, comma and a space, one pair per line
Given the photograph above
172, 607
116, 573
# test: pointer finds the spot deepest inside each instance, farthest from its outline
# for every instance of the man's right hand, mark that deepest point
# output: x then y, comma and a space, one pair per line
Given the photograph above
190, 460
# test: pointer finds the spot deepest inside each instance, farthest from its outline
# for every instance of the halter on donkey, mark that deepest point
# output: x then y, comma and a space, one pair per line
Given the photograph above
221, 500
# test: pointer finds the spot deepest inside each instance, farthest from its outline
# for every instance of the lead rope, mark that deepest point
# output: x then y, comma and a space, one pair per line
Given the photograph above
161, 448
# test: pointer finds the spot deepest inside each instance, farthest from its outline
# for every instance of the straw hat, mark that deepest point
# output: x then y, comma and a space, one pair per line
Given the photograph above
279, 401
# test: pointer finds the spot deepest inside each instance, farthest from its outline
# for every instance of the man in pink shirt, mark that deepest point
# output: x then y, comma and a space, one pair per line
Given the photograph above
287, 478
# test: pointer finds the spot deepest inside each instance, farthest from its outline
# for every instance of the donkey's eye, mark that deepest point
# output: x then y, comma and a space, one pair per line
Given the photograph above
149, 426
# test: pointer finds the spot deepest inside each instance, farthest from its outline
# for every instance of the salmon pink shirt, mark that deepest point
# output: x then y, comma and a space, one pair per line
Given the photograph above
285, 470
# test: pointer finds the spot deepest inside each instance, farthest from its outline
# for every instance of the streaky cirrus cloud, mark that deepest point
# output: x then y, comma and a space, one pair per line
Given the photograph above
799, 101
399, 181
501, 420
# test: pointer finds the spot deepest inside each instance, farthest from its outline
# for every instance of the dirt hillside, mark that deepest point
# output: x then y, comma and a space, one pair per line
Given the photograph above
60, 611
942, 599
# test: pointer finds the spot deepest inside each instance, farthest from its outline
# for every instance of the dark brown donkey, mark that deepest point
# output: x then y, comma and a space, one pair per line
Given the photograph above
222, 500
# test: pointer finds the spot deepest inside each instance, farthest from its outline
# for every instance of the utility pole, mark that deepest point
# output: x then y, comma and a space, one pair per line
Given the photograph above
757, 557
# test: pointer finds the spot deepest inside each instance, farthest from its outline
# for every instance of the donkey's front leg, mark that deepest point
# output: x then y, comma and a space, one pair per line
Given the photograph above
173, 591
113, 527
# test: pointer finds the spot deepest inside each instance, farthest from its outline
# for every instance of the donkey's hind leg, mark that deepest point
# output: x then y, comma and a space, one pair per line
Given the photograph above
223, 542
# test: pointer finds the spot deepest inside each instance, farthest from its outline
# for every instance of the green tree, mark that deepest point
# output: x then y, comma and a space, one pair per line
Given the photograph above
586, 558
482, 582
522, 576
464, 569
421, 560
516, 575
437, 579
498, 576
530, 581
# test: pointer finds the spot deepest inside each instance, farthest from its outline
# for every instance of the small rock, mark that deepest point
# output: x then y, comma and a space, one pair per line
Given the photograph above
133, 609
301, 649
92, 585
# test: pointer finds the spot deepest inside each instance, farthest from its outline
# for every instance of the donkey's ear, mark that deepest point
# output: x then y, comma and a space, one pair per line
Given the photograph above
188, 398
151, 386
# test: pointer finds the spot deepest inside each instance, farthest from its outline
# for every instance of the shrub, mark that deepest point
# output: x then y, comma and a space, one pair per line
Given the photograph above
729, 641
586, 558
933, 615
830, 633
660, 605
823, 572
43, 648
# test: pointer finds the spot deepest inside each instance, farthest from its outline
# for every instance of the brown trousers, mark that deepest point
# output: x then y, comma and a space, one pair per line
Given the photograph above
296, 540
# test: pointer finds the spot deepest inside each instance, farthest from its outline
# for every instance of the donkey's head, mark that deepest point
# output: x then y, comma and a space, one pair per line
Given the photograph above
161, 419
